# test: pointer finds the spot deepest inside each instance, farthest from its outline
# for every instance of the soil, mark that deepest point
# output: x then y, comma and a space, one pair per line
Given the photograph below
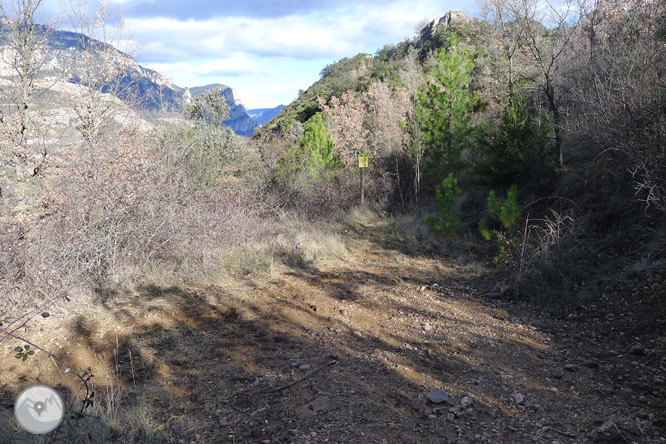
350, 352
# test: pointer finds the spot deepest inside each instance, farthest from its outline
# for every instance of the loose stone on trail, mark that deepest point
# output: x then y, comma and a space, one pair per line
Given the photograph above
438, 396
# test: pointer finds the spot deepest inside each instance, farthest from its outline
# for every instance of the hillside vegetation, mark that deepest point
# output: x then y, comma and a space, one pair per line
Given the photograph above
510, 249
566, 107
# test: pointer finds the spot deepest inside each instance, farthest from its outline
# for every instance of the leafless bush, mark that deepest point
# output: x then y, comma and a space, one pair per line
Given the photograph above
552, 234
548, 268
617, 94
319, 195
115, 215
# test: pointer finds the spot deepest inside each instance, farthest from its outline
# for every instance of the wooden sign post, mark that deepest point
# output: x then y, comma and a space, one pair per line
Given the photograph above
363, 164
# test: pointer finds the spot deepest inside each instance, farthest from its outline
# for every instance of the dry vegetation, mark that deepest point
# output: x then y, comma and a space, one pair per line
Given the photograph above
378, 325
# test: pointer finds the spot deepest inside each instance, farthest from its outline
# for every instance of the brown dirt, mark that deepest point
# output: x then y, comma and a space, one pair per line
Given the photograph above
379, 330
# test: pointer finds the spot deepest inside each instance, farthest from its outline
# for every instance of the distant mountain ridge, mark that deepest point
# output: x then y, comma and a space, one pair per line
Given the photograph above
264, 115
63, 61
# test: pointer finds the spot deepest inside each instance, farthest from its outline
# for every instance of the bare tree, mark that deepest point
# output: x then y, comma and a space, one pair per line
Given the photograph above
542, 31
22, 42
619, 91
413, 78
347, 116
501, 16
100, 71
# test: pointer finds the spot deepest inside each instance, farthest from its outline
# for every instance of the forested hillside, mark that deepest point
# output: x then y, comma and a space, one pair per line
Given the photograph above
562, 109
503, 279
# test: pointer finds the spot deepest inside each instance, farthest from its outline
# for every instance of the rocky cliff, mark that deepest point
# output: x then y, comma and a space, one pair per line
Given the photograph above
443, 22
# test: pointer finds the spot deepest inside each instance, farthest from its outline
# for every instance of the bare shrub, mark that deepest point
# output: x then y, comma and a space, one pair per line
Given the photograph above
549, 270
617, 95
114, 216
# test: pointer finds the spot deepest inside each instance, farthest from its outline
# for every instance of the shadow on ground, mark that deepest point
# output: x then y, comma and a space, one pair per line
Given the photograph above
348, 354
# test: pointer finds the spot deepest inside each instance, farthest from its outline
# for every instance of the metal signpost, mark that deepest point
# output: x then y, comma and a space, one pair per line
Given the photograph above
363, 164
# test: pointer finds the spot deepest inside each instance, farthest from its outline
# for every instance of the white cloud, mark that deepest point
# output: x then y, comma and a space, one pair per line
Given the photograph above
269, 58
315, 34
235, 65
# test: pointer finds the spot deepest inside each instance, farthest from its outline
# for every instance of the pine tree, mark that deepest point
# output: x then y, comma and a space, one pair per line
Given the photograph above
318, 142
444, 112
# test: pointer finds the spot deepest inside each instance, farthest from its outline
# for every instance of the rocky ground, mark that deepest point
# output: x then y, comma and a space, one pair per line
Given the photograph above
383, 347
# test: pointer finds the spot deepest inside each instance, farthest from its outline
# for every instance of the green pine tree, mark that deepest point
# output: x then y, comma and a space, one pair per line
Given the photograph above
317, 141
445, 222
445, 112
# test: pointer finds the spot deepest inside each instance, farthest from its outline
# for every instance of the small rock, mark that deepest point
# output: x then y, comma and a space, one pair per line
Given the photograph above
465, 403
438, 396
642, 414
469, 412
432, 416
451, 417
518, 398
46, 314
292, 432
455, 409
304, 368
570, 368
608, 433
427, 327
638, 350
358, 333
422, 288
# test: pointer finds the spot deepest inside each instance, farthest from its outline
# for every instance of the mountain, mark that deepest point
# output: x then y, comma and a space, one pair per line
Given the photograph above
264, 115
64, 61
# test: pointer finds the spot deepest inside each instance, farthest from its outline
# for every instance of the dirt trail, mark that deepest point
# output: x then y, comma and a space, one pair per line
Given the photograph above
349, 353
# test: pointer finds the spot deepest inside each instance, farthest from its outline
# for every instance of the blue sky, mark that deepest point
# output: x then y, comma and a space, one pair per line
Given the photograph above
266, 50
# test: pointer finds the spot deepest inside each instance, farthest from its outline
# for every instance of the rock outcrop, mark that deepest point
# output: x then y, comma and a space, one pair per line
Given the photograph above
443, 22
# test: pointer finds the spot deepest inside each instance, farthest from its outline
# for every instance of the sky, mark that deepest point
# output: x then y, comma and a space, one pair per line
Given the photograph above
266, 49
